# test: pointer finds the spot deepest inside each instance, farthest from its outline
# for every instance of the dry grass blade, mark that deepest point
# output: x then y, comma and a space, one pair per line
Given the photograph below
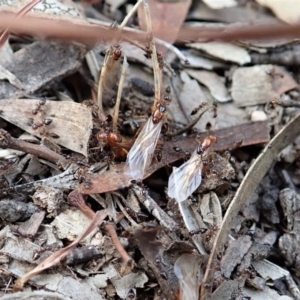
130, 14
156, 71
250, 182
111, 64
120, 89
56, 257
109, 73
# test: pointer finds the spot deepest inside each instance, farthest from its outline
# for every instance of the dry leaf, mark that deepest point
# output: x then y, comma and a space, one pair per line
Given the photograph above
189, 274
72, 122
260, 84
217, 4
225, 51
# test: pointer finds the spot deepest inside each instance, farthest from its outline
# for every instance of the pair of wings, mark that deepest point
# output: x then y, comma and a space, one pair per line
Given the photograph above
186, 179
141, 153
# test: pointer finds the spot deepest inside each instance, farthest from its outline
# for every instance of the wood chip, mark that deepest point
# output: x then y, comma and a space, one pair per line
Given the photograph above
31, 226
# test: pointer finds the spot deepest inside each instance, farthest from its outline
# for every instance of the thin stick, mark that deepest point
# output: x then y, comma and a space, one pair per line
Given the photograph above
156, 70
7, 141
130, 14
119, 95
114, 237
76, 199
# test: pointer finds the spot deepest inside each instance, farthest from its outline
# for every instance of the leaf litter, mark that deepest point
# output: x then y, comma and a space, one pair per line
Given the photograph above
216, 244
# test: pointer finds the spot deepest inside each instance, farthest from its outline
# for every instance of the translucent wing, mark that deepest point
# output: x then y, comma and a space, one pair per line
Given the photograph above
185, 179
189, 274
140, 155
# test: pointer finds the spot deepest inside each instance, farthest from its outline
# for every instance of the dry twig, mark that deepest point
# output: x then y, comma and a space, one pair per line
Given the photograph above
7, 141
119, 95
76, 199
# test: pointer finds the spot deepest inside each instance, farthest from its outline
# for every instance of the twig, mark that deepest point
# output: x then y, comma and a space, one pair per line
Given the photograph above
120, 89
130, 14
91, 34
76, 199
7, 141
110, 228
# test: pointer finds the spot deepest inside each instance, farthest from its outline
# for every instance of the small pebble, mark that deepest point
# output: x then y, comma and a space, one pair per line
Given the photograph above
258, 115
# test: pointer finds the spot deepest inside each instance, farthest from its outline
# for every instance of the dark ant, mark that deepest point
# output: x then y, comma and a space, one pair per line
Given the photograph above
215, 108
37, 253
195, 110
40, 103
201, 230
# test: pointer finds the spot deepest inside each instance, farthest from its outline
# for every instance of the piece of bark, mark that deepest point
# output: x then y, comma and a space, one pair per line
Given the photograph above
71, 122
12, 211
234, 254
39, 64
31, 226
